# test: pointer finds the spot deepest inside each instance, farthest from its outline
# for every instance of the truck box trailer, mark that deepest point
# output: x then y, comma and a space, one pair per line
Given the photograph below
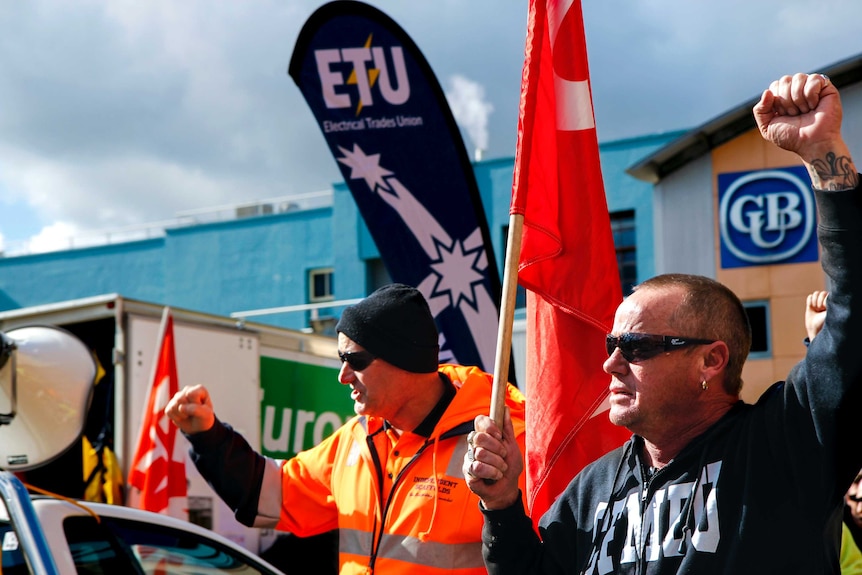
278, 387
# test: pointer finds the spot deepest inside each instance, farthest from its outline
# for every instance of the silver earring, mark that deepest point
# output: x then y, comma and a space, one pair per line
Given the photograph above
704, 385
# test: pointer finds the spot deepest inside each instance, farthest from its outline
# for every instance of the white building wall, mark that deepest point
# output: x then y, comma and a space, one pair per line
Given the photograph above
685, 221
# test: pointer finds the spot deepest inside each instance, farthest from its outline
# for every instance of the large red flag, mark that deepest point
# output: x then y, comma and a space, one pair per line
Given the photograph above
158, 466
567, 256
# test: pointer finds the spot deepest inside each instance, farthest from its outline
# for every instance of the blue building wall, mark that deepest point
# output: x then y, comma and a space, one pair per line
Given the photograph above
263, 261
250, 263
135, 269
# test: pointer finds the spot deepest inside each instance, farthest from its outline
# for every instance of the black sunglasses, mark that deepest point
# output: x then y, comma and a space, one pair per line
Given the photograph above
637, 347
357, 360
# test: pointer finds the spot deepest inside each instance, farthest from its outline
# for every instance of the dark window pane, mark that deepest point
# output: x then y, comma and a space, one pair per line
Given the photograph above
319, 285
625, 244
758, 317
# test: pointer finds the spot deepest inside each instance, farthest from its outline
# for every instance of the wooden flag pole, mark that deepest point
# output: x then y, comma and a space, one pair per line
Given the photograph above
507, 316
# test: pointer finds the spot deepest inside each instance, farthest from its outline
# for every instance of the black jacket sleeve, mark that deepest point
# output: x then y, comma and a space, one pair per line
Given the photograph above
509, 543
231, 467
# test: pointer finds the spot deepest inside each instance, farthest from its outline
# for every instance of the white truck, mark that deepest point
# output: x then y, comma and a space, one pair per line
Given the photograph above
278, 387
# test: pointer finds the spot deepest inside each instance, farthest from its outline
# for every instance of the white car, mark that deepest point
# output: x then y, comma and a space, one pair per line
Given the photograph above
43, 535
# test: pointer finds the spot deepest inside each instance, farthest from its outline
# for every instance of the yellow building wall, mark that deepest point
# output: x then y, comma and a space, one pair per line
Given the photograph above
784, 286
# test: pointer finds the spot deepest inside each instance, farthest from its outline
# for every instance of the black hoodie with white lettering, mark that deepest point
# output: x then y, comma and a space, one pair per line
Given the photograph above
761, 491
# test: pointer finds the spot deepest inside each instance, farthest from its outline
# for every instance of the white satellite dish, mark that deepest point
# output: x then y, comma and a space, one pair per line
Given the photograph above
46, 384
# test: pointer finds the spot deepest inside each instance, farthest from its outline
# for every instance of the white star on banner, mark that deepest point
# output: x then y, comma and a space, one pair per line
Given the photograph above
364, 166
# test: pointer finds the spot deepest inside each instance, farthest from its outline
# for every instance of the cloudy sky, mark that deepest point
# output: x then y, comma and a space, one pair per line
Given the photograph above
119, 112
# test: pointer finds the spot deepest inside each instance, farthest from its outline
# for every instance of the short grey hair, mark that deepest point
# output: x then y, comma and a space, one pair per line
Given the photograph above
710, 310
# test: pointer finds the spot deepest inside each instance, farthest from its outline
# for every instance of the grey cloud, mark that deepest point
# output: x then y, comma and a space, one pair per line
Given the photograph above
145, 109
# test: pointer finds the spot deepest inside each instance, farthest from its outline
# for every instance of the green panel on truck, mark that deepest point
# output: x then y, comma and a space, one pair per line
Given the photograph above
301, 405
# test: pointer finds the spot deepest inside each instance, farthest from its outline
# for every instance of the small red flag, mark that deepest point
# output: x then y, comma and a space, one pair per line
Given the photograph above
158, 466
567, 257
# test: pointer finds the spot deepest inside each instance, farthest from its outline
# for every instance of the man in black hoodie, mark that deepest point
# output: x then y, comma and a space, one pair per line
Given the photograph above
708, 484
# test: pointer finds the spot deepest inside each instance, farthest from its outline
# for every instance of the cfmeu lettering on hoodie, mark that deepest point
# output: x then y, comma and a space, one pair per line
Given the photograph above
657, 524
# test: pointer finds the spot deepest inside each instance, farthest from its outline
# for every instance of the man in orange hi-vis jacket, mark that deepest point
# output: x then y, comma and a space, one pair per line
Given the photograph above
390, 479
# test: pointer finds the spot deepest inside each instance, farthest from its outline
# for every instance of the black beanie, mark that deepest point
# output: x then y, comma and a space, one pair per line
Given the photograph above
395, 324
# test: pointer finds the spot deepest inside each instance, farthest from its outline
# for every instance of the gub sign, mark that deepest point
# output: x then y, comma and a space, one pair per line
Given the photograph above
766, 217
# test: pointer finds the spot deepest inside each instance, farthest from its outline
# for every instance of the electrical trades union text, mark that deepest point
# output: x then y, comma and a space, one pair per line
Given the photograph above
399, 121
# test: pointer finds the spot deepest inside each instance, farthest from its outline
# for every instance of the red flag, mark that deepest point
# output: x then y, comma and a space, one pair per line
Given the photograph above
567, 256
158, 466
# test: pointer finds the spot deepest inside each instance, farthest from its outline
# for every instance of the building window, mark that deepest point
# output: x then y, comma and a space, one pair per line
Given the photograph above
758, 317
320, 286
625, 245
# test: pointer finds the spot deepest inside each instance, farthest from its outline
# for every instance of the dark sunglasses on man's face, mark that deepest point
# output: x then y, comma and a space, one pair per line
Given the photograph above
357, 360
637, 347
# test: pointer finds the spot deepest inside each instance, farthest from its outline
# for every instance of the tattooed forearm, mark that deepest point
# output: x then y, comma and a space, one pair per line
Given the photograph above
835, 173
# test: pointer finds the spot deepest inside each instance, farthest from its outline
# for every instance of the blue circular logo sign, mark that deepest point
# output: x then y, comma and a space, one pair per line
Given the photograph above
766, 217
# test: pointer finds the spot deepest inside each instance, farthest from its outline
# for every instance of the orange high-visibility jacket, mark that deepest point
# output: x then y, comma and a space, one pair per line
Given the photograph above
401, 504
